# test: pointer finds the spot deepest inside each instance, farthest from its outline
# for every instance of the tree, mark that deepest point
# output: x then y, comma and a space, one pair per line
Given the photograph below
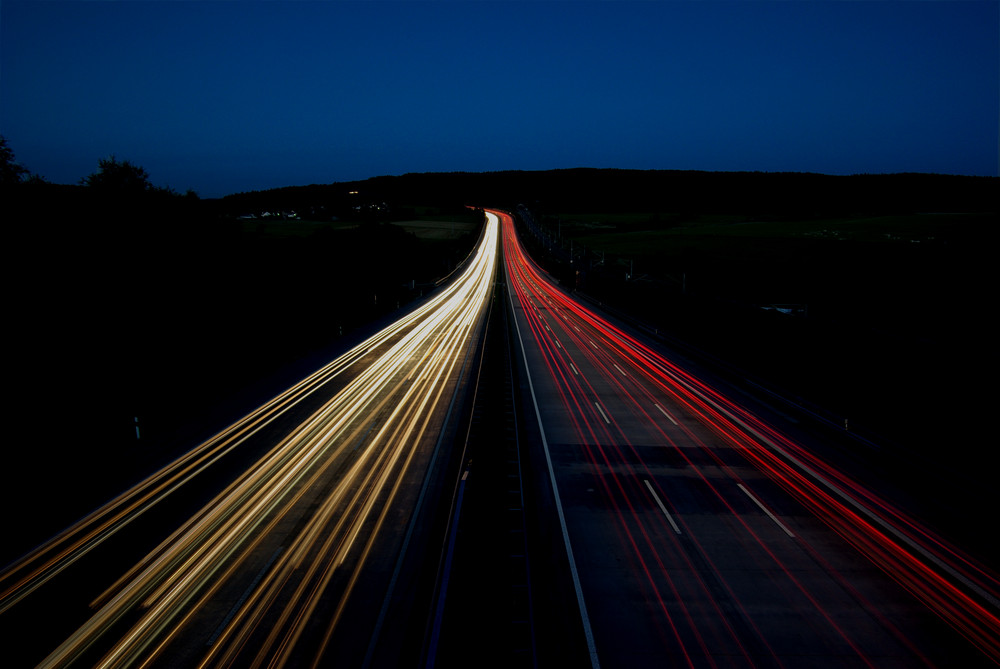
121, 177
11, 172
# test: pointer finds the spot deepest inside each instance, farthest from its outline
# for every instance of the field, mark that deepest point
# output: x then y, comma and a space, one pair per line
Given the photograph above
897, 271
658, 233
437, 229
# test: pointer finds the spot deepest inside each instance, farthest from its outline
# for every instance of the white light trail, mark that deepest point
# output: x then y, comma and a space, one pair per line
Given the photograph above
312, 505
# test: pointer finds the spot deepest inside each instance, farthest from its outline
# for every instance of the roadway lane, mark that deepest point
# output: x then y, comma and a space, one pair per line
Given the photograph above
305, 554
699, 535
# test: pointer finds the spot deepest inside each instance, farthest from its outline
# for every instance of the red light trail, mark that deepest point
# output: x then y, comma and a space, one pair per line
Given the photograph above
621, 396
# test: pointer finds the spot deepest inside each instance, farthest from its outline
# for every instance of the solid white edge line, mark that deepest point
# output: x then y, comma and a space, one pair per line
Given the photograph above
765, 510
662, 508
587, 631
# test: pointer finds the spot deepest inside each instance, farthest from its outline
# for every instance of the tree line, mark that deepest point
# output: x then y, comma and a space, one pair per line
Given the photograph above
112, 175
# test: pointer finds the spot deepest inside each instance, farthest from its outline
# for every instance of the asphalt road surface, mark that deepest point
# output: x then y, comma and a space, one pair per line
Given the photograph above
699, 535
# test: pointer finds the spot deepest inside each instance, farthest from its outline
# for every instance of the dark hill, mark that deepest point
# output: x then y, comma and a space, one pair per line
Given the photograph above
595, 190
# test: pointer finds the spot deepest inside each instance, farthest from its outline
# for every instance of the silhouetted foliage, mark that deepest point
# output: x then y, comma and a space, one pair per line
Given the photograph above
11, 172
122, 177
121, 192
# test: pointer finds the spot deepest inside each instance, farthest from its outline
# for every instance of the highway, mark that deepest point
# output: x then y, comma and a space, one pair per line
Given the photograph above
667, 521
316, 539
698, 534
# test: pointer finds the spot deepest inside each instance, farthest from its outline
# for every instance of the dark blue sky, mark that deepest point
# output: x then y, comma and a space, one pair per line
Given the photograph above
223, 97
